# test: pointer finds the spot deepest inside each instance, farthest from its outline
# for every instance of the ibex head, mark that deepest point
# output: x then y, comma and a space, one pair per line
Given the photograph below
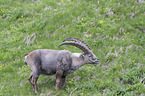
87, 55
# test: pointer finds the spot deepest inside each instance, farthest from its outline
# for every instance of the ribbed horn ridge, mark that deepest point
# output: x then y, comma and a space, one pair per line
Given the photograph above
77, 40
77, 44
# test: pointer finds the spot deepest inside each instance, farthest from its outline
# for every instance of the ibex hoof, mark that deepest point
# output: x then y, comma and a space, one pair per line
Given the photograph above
56, 88
36, 92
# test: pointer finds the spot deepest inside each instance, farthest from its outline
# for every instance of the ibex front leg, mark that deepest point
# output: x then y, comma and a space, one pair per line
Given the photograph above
59, 74
63, 82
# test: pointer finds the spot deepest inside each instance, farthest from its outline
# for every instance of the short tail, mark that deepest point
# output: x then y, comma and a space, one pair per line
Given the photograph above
25, 62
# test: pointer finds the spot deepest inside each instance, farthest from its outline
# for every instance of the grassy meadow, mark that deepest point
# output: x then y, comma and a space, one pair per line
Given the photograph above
113, 29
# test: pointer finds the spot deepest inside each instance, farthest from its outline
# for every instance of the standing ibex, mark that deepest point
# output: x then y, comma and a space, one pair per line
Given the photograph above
59, 62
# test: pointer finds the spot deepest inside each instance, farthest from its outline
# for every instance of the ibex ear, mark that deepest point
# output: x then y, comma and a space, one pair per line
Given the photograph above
82, 56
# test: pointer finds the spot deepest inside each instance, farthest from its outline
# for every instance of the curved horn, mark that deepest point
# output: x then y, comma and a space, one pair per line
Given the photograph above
94, 60
77, 44
77, 40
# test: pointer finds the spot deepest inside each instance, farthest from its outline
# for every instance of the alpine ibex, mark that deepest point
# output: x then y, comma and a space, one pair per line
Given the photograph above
59, 62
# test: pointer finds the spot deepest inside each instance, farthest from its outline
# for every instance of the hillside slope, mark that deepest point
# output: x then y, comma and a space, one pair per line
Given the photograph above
113, 29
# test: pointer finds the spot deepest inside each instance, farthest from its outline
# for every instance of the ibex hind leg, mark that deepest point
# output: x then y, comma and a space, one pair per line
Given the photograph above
31, 82
33, 78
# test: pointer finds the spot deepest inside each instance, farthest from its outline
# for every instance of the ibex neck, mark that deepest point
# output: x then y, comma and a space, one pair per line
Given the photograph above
77, 61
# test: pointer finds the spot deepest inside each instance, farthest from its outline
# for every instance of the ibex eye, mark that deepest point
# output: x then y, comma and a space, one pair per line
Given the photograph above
82, 56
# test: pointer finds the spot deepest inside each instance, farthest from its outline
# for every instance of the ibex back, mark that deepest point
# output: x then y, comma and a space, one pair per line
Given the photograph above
59, 62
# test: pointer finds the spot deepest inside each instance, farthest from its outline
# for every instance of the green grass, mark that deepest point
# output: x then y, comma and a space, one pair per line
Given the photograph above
113, 29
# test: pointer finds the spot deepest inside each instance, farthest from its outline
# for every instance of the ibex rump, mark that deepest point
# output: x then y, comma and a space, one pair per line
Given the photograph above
59, 62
